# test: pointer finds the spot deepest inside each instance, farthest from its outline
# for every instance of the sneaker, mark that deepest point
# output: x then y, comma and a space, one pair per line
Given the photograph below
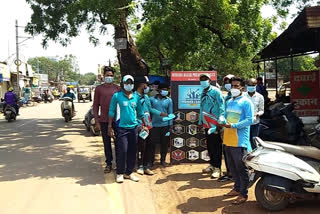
119, 179
165, 164
107, 169
148, 172
140, 171
216, 173
208, 169
131, 177
224, 178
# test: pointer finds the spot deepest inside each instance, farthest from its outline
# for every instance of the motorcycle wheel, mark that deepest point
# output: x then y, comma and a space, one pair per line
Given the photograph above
270, 200
66, 118
87, 127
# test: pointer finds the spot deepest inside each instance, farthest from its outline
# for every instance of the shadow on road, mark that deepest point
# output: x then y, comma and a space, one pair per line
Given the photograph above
44, 148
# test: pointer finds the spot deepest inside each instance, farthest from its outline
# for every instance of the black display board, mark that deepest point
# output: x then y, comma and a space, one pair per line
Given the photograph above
188, 144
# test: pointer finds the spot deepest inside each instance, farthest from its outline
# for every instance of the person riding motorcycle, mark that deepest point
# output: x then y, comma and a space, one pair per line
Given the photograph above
71, 95
11, 98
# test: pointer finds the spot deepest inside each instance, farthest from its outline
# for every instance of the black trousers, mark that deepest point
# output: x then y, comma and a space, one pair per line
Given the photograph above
144, 154
158, 136
107, 142
214, 146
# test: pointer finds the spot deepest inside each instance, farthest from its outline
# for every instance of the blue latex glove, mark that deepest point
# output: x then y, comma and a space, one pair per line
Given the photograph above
170, 117
212, 130
167, 134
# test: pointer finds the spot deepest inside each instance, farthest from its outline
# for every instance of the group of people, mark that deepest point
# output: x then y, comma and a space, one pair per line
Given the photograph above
237, 116
141, 126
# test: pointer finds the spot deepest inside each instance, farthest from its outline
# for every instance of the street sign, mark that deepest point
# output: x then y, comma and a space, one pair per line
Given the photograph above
305, 87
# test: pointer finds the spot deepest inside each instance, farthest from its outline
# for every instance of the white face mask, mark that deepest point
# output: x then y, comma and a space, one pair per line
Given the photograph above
146, 90
227, 86
164, 93
235, 92
108, 79
128, 87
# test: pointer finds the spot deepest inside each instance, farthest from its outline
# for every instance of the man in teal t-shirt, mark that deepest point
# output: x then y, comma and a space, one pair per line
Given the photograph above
127, 134
161, 129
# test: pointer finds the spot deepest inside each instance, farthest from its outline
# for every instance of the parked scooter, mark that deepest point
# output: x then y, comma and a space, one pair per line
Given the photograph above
66, 109
285, 173
281, 124
90, 123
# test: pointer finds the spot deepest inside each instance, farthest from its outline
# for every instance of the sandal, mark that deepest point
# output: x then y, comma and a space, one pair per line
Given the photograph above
240, 200
232, 193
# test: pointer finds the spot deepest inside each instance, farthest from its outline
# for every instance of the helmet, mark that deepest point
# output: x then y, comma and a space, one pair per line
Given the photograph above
68, 89
10, 89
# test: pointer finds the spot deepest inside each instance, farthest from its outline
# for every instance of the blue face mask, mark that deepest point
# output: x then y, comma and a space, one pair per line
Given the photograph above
251, 89
146, 90
227, 86
108, 79
128, 87
205, 84
164, 93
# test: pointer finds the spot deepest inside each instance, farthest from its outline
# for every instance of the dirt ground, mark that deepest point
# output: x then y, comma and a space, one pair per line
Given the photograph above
184, 189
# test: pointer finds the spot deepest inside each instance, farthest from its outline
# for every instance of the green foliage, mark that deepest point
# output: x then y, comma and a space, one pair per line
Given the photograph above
88, 79
199, 35
61, 20
301, 63
283, 6
57, 68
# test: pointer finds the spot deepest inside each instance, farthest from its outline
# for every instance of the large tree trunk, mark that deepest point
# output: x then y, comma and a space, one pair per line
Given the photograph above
129, 59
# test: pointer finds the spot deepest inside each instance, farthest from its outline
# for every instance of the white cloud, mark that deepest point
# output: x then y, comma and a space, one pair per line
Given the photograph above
87, 55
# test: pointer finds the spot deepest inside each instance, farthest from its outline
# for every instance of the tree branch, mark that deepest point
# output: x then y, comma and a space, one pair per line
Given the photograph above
202, 23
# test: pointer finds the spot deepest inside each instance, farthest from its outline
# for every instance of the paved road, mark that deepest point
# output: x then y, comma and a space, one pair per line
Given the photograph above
49, 166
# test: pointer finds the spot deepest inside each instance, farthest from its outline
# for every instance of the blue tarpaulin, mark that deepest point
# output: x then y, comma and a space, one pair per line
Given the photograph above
161, 79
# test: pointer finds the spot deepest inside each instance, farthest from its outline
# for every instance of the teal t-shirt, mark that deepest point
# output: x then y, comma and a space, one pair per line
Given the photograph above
130, 109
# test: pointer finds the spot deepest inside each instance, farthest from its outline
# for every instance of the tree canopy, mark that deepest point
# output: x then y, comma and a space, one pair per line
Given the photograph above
60, 21
65, 68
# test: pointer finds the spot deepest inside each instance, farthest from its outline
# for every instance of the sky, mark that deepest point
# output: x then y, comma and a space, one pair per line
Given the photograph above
87, 54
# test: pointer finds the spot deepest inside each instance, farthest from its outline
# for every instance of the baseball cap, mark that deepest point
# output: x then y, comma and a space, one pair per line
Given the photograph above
205, 75
229, 76
127, 77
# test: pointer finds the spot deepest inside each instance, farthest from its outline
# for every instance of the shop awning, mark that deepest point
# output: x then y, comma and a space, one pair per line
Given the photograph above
300, 38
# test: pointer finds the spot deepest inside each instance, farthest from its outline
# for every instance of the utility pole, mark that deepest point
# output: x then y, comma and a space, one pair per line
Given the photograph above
17, 60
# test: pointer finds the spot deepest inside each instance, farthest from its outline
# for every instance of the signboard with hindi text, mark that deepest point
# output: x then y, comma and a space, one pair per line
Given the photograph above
187, 141
305, 92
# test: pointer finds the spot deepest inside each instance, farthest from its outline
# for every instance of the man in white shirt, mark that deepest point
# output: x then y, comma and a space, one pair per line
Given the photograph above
258, 103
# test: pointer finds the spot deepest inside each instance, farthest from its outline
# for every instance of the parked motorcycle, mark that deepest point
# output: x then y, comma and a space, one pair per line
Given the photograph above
285, 173
66, 109
90, 123
281, 124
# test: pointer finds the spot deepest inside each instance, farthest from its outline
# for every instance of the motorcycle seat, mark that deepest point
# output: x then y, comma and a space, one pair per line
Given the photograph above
305, 151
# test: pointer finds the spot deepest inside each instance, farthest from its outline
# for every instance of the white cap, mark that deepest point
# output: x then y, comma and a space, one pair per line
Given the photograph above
205, 75
229, 76
127, 77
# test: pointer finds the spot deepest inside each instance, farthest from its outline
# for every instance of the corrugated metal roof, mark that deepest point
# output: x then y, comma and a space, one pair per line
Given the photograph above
302, 36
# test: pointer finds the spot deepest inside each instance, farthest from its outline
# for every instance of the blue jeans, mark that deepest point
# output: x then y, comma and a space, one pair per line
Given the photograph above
240, 173
126, 150
254, 132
